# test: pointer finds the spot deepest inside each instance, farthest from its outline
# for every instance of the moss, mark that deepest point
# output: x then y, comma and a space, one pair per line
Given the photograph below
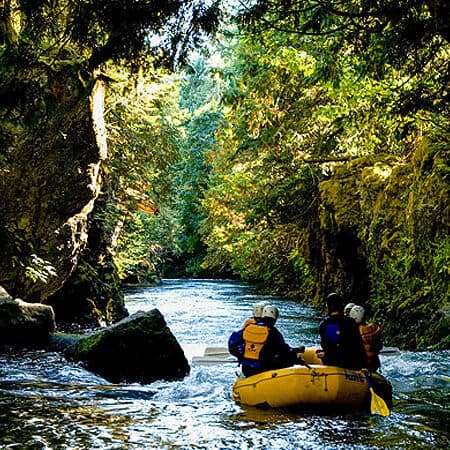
87, 344
394, 213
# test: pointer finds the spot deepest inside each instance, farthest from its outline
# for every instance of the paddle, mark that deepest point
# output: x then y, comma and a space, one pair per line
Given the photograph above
377, 404
304, 363
219, 351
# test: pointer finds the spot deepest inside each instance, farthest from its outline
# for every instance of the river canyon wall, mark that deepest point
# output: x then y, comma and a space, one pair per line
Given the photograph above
53, 145
382, 239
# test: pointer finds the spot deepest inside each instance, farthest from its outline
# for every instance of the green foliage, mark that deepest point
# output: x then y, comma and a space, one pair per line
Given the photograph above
144, 243
38, 269
260, 184
50, 50
296, 104
102, 30
144, 124
411, 37
199, 95
409, 293
441, 257
160, 126
409, 259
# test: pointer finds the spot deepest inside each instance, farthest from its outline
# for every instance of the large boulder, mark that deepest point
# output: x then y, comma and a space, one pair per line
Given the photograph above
140, 348
25, 324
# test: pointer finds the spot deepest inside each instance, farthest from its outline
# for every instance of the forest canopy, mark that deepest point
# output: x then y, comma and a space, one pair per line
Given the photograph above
305, 147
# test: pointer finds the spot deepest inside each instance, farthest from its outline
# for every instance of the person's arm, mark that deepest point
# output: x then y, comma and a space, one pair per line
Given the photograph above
360, 350
236, 344
377, 341
323, 343
286, 353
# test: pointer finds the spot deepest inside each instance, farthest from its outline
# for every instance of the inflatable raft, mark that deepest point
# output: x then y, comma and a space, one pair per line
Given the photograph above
314, 386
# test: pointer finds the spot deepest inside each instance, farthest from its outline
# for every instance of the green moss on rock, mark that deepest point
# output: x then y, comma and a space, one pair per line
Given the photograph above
394, 212
140, 348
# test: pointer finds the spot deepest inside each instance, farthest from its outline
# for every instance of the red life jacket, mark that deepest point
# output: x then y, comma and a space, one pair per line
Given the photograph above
255, 336
371, 336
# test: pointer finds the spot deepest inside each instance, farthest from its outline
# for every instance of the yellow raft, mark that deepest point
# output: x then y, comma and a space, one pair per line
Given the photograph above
314, 386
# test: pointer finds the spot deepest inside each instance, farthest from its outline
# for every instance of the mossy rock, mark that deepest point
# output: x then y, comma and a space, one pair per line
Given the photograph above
140, 348
25, 324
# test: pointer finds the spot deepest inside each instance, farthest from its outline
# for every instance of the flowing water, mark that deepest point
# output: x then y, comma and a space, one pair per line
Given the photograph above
49, 403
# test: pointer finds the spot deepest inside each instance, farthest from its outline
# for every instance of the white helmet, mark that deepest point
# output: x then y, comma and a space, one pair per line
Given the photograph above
258, 309
270, 311
348, 307
357, 313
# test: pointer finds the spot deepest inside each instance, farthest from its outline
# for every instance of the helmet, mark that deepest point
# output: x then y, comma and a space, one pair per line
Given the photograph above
348, 307
271, 312
357, 313
334, 302
258, 309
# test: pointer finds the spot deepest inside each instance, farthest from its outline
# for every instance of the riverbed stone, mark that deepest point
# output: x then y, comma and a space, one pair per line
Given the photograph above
140, 348
25, 324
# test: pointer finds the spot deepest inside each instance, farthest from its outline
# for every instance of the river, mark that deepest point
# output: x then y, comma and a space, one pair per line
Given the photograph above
49, 403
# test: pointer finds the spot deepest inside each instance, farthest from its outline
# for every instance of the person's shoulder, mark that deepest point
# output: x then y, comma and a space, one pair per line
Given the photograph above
328, 320
349, 322
348, 319
237, 332
274, 331
372, 327
249, 321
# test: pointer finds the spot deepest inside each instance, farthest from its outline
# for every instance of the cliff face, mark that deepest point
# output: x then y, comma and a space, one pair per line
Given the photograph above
48, 186
92, 294
384, 242
53, 143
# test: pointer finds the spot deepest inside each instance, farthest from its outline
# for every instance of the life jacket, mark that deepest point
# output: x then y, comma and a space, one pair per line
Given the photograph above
255, 336
333, 333
249, 321
371, 336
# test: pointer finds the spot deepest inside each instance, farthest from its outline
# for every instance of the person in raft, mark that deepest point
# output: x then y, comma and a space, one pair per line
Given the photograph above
348, 308
341, 341
260, 346
257, 313
371, 336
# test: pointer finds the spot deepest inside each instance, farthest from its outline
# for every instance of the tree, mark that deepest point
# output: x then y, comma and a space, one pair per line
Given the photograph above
199, 99
145, 130
321, 174
408, 36
52, 54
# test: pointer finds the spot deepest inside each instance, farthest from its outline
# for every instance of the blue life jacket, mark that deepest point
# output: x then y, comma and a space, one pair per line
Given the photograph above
333, 333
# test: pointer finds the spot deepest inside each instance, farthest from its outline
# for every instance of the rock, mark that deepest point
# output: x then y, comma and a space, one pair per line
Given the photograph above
60, 341
140, 348
44, 213
25, 324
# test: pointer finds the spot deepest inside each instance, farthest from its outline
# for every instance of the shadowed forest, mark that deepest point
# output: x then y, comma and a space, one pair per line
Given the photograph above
300, 145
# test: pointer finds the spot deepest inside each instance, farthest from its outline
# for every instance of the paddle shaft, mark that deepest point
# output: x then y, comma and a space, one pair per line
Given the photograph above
217, 350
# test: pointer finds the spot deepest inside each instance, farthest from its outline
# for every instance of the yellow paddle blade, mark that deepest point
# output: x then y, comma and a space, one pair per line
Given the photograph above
378, 405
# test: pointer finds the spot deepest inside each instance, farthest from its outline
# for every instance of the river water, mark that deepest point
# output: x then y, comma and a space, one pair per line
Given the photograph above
49, 403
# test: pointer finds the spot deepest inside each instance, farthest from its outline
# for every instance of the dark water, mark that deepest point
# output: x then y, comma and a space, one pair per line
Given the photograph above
48, 403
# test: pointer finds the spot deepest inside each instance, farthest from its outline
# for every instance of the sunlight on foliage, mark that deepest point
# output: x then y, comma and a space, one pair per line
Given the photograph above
39, 269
